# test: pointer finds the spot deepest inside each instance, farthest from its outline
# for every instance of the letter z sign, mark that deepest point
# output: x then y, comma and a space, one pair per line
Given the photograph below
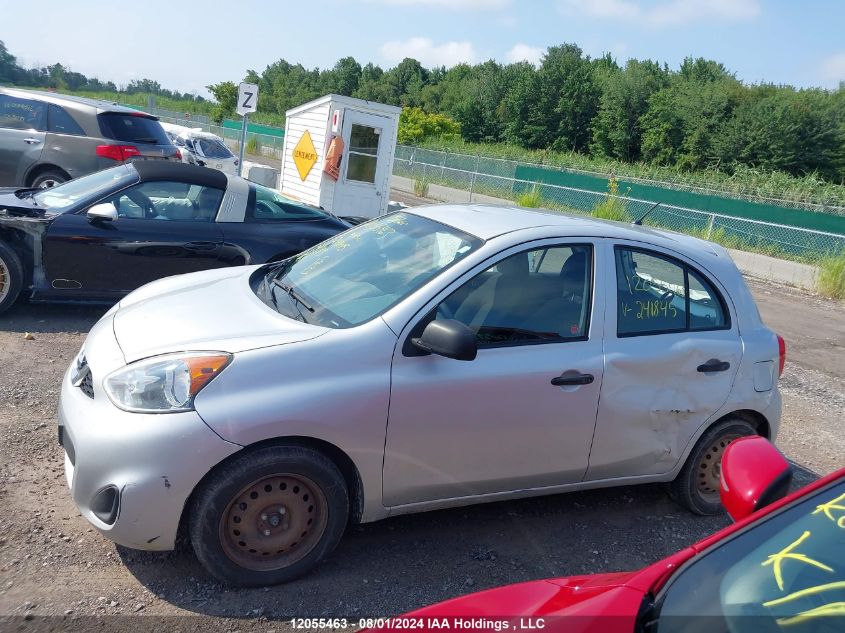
247, 98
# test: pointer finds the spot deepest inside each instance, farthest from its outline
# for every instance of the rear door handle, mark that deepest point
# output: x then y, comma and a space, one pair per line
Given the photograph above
572, 379
32, 141
714, 365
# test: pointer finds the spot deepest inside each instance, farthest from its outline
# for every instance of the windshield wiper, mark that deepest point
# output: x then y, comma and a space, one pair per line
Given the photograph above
293, 293
154, 141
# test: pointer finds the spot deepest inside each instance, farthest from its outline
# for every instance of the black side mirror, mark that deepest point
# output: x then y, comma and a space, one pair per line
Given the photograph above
449, 338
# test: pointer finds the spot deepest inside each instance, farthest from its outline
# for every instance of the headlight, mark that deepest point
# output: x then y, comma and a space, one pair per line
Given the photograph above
164, 384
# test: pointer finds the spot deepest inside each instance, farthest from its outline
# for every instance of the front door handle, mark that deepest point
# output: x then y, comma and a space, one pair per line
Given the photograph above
572, 379
714, 365
201, 246
32, 141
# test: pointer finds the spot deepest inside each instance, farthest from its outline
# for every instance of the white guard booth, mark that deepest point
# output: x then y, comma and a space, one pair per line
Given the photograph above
338, 155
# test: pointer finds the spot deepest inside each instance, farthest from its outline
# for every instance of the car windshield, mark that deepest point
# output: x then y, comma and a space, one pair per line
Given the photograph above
785, 573
212, 148
358, 274
64, 197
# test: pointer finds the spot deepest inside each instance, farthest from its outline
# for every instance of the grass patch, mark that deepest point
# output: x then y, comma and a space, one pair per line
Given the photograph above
831, 280
531, 199
613, 205
253, 146
421, 187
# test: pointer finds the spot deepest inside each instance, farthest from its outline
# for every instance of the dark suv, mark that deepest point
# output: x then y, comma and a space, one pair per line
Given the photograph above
47, 138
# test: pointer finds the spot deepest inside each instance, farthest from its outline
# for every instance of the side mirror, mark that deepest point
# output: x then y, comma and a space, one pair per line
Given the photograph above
754, 474
103, 211
449, 338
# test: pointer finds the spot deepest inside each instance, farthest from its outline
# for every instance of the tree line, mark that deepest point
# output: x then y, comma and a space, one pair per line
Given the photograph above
60, 78
698, 116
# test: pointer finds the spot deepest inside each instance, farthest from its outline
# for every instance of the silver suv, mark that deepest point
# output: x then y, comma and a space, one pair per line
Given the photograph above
47, 139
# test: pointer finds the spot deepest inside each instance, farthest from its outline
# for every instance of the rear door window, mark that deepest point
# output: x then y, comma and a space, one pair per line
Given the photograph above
22, 114
132, 128
59, 121
657, 294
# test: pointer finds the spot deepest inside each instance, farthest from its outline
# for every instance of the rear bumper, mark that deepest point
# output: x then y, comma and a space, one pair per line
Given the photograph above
152, 462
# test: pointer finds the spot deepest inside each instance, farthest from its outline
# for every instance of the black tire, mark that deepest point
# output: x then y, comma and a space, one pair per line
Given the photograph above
696, 487
11, 277
49, 178
269, 474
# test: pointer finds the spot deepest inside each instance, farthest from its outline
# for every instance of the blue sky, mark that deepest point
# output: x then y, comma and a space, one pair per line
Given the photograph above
186, 45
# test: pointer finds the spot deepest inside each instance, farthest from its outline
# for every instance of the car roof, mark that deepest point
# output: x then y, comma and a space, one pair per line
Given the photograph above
487, 221
192, 174
100, 105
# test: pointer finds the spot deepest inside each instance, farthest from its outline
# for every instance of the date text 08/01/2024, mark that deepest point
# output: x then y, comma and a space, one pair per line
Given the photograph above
422, 623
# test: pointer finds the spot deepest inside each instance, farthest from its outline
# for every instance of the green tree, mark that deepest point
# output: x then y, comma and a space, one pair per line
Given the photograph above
226, 95
624, 99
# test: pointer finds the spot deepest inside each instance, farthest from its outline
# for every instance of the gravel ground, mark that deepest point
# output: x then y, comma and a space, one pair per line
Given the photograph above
53, 564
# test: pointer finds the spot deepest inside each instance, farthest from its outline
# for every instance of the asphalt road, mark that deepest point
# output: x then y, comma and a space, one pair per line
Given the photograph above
54, 567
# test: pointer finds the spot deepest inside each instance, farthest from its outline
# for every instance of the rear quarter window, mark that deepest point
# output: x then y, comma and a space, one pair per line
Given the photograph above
267, 205
59, 121
132, 128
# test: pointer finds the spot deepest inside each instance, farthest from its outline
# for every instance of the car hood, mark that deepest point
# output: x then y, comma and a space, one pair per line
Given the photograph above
213, 310
588, 601
13, 206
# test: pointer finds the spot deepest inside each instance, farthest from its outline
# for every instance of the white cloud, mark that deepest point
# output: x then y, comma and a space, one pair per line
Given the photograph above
525, 53
449, 4
427, 52
833, 68
667, 13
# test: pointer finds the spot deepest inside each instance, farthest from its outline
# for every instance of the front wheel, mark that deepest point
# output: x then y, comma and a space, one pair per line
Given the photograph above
697, 485
269, 516
11, 277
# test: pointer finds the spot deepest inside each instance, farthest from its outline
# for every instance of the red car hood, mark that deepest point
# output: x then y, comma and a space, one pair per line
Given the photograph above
598, 603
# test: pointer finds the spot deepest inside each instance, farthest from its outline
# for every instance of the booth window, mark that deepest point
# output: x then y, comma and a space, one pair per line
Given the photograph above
363, 153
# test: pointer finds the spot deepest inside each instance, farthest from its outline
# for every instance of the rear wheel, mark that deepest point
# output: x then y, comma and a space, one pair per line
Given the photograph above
11, 277
697, 485
269, 516
50, 178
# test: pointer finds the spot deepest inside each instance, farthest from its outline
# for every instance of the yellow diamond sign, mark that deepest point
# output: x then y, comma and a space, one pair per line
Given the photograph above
304, 155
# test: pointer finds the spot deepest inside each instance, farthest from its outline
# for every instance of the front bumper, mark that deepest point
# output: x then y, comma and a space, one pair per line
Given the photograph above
153, 461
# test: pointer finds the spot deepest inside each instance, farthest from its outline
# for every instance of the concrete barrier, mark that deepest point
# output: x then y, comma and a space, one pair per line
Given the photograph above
261, 174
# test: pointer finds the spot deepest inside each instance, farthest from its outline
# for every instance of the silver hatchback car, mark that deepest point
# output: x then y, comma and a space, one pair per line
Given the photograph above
433, 357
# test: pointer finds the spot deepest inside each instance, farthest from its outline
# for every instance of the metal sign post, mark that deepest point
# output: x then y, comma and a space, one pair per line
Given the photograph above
247, 102
242, 144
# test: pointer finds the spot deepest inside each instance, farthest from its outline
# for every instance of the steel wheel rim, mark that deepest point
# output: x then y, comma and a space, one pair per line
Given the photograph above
48, 184
273, 522
5, 281
709, 472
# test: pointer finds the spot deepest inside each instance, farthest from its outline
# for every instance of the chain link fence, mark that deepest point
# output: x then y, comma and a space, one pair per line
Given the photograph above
433, 171
508, 168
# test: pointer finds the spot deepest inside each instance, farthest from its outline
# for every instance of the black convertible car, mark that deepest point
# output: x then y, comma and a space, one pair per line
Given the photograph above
101, 236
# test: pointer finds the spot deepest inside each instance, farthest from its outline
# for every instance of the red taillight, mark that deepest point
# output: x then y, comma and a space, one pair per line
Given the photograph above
118, 152
178, 154
782, 353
